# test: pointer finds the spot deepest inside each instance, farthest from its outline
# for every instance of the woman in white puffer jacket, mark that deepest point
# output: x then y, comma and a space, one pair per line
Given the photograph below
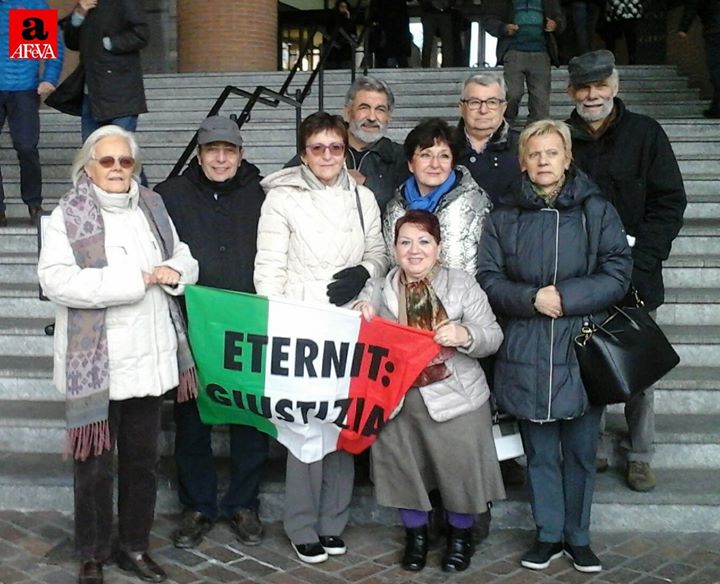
319, 240
111, 261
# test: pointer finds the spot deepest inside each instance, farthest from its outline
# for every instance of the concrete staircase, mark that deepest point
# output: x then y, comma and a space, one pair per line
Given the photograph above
32, 473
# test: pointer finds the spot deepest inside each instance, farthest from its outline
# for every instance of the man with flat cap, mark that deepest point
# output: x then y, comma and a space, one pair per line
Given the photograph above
630, 158
215, 205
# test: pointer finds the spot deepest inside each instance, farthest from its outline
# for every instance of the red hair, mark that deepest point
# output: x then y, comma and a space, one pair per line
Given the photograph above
423, 220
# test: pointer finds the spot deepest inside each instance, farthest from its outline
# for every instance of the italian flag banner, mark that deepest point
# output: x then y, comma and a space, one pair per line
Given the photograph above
317, 378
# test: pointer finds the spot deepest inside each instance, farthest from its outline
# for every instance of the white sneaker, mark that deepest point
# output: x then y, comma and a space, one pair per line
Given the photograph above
310, 553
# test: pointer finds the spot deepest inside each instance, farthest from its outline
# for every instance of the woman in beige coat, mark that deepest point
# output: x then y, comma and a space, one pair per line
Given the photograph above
442, 437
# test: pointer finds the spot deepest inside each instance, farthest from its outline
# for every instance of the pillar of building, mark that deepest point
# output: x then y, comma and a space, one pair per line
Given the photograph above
226, 35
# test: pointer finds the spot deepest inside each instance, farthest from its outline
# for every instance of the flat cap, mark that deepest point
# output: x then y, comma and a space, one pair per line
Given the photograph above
219, 129
592, 66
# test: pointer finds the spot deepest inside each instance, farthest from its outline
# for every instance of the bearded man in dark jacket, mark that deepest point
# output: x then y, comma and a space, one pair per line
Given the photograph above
630, 158
215, 205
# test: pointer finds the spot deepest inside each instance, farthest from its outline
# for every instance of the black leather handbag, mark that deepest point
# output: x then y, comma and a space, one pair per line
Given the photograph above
622, 355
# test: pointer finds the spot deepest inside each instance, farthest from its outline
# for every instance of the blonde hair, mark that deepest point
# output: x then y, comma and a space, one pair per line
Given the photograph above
543, 128
86, 153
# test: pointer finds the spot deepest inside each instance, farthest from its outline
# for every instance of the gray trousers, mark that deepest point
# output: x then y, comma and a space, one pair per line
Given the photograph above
317, 496
639, 444
534, 69
561, 487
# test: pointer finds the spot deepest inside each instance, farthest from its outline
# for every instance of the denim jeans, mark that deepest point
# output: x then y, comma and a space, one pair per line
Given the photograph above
197, 477
561, 487
135, 427
20, 108
584, 15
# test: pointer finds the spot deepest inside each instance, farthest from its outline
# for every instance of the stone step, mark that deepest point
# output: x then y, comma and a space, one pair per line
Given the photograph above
697, 345
682, 440
690, 306
698, 236
18, 267
688, 271
26, 336
684, 501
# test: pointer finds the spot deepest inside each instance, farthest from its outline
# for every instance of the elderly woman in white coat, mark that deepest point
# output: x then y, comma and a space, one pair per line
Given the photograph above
112, 263
442, 437
319, 240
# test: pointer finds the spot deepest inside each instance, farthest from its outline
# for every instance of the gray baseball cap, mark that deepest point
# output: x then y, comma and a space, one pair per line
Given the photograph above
219, 129
592, 66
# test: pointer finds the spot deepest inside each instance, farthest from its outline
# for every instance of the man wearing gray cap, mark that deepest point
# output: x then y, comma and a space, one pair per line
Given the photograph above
630, 158
215, 205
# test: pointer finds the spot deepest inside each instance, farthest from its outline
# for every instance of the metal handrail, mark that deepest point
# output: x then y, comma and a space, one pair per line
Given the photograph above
281, 96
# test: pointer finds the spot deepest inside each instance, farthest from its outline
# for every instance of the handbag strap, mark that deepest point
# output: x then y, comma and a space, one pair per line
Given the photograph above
360, 211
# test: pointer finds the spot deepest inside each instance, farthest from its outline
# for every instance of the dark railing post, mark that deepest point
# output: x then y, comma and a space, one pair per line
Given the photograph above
298, 118
321, 89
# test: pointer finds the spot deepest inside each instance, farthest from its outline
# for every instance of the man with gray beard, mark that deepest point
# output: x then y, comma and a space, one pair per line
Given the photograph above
373, 159
630, 158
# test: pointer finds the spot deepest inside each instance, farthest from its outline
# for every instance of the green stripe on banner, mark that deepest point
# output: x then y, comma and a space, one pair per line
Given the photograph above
220, 352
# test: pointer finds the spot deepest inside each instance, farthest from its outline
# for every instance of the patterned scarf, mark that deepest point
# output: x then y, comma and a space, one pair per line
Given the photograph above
87, 364
421, 308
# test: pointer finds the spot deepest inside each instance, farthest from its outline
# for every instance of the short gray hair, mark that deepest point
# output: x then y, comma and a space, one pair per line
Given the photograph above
487, 79
368, 83
86, 153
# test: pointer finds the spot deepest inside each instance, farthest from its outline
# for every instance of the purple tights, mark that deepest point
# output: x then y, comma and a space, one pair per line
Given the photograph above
413, 518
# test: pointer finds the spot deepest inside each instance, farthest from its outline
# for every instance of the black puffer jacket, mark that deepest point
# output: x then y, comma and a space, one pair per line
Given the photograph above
114, 78
635, 167
579, 246
219, 222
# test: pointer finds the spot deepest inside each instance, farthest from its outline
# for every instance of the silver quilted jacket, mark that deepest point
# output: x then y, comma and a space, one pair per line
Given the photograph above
461, 213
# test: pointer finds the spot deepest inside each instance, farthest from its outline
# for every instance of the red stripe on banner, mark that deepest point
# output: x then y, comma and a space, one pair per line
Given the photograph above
387, 359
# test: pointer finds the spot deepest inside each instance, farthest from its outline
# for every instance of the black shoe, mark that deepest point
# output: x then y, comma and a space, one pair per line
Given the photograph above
35, 214
601, 465
712, 113
460, 549
91, 572
247, 527
3, 219
310, 553
416, 548
541, 554
333, 545
192, 530
583, 558
142, 565
50, 329
481, 527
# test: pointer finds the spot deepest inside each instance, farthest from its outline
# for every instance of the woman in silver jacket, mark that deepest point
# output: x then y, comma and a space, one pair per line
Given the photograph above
439, 186
442, 437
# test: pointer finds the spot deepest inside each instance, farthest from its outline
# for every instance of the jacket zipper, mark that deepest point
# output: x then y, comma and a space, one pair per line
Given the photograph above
552, 320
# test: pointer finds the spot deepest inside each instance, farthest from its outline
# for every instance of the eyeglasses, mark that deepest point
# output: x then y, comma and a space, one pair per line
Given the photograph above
474, 105
443, 157
125, 162
336, 148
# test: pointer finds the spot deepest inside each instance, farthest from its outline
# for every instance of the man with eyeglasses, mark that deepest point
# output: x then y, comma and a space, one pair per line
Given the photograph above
630, 157
488, 146
526, 48
215, 206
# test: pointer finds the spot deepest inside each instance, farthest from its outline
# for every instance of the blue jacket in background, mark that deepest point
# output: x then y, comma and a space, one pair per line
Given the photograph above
24, 74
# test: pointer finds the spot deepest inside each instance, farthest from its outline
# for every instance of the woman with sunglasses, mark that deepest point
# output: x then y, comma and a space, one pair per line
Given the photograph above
440, 187
319, 240
112, 263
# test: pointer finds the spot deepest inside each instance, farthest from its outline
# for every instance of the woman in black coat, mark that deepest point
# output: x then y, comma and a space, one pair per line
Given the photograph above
550, 255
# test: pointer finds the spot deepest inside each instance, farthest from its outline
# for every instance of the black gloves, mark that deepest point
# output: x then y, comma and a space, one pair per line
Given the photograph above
347, 285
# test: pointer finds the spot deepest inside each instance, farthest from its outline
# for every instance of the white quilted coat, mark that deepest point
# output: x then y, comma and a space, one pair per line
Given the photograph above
308, 233
142, 343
